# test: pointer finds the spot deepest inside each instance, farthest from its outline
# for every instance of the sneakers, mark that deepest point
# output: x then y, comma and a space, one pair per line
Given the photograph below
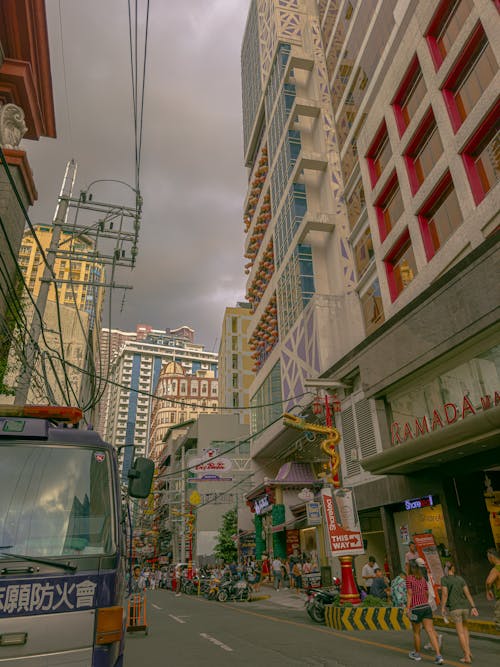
428, 646
413, 655
439, 660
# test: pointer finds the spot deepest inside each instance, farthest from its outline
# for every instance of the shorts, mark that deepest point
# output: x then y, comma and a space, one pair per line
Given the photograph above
418, 614
459, 615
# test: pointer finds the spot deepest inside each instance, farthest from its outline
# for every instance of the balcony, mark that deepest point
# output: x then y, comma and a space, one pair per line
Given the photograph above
315, 222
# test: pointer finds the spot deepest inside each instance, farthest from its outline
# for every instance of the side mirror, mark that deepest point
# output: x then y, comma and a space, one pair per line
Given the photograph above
140, 478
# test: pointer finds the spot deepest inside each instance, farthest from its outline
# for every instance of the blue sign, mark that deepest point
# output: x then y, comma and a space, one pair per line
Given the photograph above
47, 595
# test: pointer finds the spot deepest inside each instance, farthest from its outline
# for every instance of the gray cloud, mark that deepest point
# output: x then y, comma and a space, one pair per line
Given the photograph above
190, 263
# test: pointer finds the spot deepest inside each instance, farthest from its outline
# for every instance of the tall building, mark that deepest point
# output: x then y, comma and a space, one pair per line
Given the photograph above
235, 362
26, 110
371, 137
75, 311
134, 374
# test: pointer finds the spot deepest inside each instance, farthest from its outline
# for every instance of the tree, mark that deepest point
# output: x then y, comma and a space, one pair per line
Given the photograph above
226, 548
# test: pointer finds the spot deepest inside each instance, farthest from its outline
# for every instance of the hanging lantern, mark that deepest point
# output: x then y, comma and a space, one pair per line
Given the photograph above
317, 406
335, 403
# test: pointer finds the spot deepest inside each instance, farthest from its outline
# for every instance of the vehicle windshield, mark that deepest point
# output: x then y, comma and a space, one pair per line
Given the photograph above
55, 500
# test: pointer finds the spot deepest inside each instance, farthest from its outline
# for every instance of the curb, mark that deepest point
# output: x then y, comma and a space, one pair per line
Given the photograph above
479, 627
256, 598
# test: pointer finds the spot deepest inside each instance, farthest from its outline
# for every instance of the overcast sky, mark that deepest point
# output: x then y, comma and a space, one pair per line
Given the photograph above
190, 263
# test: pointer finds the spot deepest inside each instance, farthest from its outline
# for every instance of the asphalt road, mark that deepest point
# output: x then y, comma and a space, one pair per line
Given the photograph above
192, 632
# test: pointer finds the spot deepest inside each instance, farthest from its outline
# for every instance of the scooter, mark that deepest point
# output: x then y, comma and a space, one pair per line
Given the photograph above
231, 589
317, 598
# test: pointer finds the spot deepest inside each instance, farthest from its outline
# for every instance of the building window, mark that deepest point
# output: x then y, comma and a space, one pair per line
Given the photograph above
234, 324
409, 97
234, 361
440, 216
355, 204
236, 400
373, 309
389, 207
363, 252
470, 77
482, 157
423, 152
378, 155
183, 384
445, 27
400, 266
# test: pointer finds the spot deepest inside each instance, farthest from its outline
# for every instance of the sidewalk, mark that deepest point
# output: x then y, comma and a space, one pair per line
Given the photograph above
481, 625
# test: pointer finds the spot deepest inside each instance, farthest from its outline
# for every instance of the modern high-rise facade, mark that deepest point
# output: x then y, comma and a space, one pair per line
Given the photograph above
388, 263
134, 375
235, 362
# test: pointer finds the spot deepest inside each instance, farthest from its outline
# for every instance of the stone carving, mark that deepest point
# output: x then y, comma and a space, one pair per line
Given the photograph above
12, 125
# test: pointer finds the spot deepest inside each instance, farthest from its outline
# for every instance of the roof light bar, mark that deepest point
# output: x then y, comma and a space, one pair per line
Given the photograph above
52, 413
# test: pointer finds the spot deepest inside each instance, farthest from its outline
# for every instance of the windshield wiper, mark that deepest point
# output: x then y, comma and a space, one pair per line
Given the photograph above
42, 561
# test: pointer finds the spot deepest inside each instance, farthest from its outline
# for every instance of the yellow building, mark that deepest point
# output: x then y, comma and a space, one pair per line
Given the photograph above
235, 361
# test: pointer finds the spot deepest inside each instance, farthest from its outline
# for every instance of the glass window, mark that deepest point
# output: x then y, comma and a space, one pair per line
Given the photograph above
355, 204
402, 269
234, 324
55, 501
475, 79
373, 309
413, 98
363, 252
444, 217
487, 161
450, 24
427, 153
391, 209
382, 156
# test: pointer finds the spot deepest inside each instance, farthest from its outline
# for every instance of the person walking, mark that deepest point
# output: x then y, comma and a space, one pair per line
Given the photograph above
368, 572
456, 599
411, 554
398, 590
493, 583
277, 573
420, 613
297, 575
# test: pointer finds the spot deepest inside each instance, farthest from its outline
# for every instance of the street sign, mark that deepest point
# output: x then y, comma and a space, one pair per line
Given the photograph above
343, 533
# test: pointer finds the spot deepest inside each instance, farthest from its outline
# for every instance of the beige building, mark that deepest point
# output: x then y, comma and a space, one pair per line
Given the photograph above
235, 362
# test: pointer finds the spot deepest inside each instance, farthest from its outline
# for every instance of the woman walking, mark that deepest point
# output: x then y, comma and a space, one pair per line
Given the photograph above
456, 599
420, 612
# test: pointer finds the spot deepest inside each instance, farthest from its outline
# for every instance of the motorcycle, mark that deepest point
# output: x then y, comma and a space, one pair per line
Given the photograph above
232, 589
317, 598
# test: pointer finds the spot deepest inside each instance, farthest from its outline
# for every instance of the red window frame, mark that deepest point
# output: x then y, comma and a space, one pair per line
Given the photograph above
381, 205
423, 214
403, 241
450, 86
444, 14
489, 124
373, 152
402, 95
417, 142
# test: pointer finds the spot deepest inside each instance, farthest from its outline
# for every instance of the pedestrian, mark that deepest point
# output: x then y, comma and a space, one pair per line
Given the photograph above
297, 575
368, 572
277, 573
257, 573
493, 583
410, 555
419, 612
398, 590
456, 599
138, 583
380, 587
265, 569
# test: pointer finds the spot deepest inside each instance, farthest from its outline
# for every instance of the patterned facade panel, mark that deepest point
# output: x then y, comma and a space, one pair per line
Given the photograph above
299, 357
289, 26
268, 38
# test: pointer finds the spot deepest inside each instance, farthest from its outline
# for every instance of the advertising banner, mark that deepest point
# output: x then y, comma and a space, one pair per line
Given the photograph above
427, 549
313, 510
292, 541
342, 525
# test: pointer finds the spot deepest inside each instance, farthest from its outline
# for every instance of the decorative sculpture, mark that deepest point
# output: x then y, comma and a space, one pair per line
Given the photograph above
12, 126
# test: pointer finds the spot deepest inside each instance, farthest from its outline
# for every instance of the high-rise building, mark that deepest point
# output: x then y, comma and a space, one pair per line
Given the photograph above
134, 374
371, 137
235, 362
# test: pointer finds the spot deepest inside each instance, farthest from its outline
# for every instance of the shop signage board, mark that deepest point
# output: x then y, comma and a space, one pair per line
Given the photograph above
206, 465
313, 510
427, 549
262, 504
342, 523
311, 580
292, 541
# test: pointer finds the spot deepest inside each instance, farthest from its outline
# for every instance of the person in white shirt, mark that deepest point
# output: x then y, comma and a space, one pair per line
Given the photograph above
277, 573
368, 572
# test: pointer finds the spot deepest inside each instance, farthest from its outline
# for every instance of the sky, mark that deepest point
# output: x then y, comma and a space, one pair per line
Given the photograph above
193, 182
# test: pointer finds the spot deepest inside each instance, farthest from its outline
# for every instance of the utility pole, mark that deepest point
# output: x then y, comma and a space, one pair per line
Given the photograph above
24, 379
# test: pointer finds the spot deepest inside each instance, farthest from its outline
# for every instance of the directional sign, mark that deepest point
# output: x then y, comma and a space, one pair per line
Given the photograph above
343, 540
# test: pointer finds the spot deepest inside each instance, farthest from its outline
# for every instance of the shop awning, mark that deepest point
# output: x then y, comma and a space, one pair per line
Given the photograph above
475, 434
296, 522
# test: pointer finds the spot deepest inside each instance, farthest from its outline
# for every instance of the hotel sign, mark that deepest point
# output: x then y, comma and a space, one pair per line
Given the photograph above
447, 414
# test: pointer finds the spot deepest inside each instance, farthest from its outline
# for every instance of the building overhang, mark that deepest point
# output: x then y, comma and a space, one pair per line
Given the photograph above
472, 436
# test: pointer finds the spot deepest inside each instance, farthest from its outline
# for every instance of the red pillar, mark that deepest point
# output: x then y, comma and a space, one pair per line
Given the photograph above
348, 588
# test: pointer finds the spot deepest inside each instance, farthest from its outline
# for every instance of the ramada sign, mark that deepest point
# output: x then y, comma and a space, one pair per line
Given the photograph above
448, 414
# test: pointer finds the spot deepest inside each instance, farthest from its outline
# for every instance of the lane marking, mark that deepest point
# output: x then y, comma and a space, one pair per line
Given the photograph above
215, 641
342, 635
176, 618
156, 606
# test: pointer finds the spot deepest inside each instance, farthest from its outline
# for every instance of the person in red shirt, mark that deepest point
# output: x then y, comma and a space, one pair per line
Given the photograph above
420, 612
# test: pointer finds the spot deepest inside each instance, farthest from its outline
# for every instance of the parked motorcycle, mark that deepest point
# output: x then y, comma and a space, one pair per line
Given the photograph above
232, 589
317, 598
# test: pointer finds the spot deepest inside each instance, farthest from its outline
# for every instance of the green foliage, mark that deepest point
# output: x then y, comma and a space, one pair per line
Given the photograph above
373, 601
226, 548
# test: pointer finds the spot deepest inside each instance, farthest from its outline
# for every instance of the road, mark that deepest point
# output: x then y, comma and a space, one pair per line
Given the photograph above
190, 632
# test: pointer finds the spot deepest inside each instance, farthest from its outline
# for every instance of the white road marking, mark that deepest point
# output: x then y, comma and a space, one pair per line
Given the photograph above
215, 641
156, 606
176, 618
